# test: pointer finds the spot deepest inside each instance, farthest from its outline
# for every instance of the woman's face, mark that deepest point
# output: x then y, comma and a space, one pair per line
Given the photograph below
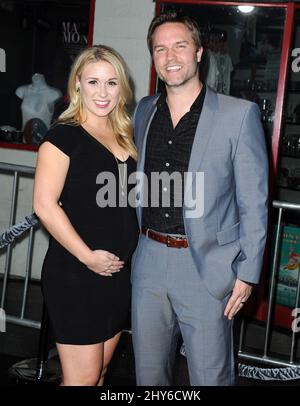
99, 89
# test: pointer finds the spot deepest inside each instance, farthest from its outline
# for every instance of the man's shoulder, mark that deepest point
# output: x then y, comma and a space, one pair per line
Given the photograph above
235, 102
148, 101
144, 108
232, 109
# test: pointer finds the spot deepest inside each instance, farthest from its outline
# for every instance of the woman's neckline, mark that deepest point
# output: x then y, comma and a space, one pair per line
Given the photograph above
103, 146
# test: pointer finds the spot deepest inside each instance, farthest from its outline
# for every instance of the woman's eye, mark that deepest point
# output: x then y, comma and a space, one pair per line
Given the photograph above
112, 83
93, 82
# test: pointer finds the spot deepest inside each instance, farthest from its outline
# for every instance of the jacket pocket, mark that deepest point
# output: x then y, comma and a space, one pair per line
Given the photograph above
229, 234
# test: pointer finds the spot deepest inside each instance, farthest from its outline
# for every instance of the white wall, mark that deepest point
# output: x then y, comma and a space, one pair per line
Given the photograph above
123, 25
18, 157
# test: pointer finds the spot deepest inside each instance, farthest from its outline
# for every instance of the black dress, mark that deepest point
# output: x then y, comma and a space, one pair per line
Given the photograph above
85, 307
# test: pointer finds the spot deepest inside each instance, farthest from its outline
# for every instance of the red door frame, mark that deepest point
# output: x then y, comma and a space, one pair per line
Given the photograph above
282, 314
91, 23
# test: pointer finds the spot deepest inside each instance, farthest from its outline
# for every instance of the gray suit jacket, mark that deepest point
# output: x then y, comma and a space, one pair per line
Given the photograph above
228, 239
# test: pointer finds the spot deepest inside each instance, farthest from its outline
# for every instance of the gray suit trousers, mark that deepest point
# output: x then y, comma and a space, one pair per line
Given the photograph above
168, 295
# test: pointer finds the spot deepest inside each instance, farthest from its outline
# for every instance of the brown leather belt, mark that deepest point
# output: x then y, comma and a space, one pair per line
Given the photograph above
170, 241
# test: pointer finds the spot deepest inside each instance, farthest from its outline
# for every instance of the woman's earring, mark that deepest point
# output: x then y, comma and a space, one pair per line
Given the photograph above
78, 89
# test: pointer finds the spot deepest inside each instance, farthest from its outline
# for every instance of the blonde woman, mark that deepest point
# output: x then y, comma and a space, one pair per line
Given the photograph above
86, 276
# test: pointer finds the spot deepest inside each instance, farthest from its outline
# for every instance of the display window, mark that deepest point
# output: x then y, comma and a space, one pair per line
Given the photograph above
38, 43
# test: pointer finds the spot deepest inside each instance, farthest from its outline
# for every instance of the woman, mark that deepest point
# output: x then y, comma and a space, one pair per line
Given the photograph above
85, 276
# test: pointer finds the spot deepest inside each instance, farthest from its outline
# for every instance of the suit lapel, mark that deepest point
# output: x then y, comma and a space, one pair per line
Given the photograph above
146, 120
202, 135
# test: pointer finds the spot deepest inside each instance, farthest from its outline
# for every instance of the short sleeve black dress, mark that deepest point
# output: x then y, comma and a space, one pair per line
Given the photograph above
84, 307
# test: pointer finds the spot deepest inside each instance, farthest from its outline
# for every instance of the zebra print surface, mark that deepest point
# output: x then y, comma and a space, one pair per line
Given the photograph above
18, 229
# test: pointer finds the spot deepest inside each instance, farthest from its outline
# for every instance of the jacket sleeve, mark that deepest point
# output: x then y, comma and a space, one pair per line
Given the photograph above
251, 178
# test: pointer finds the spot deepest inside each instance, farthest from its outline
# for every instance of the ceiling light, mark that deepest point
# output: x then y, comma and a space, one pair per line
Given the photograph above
246, 9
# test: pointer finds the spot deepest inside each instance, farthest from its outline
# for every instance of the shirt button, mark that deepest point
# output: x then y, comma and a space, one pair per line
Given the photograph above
167, 164
167, 215
165, 189
170, 142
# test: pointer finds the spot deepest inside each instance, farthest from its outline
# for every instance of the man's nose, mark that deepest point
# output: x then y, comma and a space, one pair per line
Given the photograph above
170, 54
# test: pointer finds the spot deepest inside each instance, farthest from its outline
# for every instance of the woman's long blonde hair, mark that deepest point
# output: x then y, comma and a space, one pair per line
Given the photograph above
118, 117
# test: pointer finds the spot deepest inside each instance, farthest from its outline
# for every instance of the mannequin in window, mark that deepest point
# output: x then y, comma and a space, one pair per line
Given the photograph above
38, 100
224, 64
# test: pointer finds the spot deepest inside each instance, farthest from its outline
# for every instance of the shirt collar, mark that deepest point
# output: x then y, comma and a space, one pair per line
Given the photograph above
162, 104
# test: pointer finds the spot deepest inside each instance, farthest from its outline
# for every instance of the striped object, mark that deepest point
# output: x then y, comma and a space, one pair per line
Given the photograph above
18, 229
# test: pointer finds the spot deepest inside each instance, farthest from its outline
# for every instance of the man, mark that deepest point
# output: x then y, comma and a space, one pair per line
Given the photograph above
194, 268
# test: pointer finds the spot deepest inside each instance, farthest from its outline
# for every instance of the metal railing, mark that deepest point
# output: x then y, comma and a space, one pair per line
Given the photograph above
17, 171
265, 357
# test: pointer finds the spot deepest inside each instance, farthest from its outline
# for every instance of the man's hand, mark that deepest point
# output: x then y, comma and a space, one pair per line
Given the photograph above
239, 296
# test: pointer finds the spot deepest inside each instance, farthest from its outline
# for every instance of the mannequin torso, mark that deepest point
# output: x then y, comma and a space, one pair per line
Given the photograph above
38, 100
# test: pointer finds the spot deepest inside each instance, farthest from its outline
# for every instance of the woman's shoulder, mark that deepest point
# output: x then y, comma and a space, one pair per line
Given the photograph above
63, 136
67, 131
62, 128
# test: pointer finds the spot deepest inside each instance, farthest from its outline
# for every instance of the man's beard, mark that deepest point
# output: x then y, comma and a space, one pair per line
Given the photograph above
183, 82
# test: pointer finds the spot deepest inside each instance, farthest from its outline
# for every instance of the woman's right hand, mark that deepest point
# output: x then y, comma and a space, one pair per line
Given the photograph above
104, 263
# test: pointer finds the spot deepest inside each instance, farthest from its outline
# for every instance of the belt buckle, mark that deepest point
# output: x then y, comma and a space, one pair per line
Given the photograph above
169, 238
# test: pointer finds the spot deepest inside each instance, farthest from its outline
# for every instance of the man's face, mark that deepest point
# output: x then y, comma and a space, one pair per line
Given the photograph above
175, 55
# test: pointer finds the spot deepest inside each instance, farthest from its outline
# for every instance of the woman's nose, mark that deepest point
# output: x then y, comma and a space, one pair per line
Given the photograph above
102, 90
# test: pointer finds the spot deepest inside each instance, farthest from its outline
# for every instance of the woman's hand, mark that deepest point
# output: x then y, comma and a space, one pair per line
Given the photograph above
104, 263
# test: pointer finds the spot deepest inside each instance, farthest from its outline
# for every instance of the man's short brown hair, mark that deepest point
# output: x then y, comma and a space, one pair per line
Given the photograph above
174, 17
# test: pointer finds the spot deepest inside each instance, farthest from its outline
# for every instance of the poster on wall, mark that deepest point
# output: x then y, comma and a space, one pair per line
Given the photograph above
74, 36
289, 265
